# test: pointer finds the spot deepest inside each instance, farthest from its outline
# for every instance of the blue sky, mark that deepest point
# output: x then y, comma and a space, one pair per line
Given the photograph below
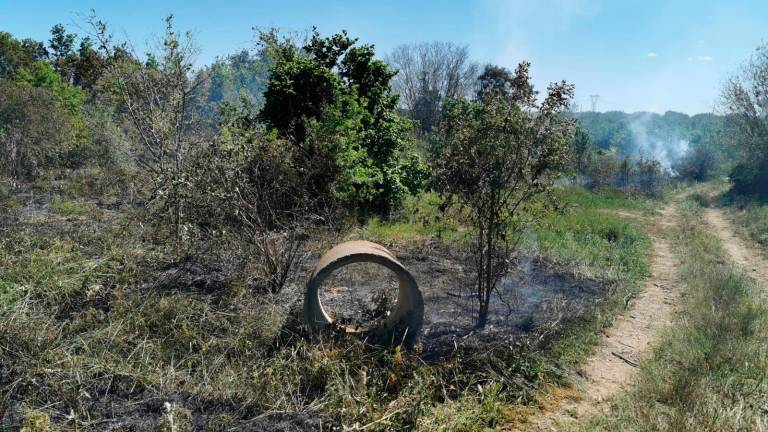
637, 55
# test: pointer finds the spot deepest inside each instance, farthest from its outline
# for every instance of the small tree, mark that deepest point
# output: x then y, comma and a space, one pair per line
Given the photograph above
493, 156
157, 97
746, 107
582, 149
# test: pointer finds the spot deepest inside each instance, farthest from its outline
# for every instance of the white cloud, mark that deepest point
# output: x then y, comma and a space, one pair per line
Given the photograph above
651, 55
704, 58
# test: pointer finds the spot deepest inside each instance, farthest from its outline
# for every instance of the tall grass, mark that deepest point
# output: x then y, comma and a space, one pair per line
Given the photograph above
754, 220
79, 320
710, 372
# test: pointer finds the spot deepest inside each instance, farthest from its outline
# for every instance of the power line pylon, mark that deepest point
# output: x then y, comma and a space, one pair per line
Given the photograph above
593, 98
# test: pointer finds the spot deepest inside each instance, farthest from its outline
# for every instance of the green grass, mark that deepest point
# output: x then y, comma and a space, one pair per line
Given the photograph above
68, 207
594, 244
53, 271
580, 197
754, 221
709, 373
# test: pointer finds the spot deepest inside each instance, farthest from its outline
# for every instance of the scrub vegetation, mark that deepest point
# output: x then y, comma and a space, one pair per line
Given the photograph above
158, 223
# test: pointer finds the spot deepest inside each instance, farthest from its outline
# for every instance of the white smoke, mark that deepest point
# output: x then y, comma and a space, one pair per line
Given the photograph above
666, 148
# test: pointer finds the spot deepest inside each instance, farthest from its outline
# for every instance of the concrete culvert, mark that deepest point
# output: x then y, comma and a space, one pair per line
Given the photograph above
403, 321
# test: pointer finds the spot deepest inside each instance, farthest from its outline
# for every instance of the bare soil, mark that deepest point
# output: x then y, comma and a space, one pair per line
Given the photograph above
612, 368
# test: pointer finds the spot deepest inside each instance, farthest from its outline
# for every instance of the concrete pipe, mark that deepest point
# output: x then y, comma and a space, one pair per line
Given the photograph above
404, 320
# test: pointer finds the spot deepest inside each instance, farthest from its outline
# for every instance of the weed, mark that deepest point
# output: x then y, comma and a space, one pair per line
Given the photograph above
754, 220
68, 207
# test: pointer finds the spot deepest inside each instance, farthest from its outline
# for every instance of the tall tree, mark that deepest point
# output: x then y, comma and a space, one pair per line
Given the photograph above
333, 99
17, 55
428, 74
61, 51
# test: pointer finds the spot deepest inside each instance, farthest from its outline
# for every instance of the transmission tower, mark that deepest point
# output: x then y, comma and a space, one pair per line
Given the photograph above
593, 98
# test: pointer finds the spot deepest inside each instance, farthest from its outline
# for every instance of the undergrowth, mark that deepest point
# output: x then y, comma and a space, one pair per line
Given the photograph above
96, 331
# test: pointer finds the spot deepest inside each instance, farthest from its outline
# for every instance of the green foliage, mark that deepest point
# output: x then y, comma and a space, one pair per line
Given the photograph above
16, 55
750, 177
333, 100
700, 199
643, 176
582, 149
68, 207
747, 122
35, 131
493, 156
43, 75
238, 76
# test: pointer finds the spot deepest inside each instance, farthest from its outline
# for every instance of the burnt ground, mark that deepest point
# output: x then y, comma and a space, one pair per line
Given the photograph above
531, 298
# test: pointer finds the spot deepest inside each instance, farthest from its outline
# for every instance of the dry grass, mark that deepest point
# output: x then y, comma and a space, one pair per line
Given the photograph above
103, 324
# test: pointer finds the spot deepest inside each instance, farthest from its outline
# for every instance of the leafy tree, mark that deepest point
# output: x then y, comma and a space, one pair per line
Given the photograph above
699, 164
35, 130
494, 156
333, 100
43, 75
746, 106
89, 66
61, 51
17, 55
495, 81
237, 76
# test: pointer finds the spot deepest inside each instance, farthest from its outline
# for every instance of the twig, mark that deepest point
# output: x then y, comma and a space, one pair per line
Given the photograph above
628, 361
627, 299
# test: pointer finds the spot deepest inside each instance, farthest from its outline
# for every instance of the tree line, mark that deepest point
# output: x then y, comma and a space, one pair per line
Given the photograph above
264, 146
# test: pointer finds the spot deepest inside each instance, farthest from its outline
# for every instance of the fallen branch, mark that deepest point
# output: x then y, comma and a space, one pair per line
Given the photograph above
626, 360
627, 299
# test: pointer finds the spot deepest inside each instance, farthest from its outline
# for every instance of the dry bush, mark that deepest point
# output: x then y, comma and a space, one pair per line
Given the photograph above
642, 176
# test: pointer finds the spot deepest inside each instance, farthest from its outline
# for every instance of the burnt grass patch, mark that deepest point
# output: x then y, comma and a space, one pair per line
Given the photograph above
108, 330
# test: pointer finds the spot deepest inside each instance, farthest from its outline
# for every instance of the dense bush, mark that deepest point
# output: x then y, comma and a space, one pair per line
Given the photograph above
745, 103
35, 131
333, 100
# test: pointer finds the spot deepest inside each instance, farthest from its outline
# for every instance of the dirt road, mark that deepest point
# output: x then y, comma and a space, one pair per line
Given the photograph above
632, 337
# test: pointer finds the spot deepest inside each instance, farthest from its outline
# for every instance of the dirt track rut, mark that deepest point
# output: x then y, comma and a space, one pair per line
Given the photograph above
631, 338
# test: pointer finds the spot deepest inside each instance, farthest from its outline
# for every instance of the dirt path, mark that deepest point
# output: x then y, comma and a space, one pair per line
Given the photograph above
741, 251
625, 344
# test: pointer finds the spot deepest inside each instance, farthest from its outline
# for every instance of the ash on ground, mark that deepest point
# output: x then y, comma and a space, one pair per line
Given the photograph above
533, 297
